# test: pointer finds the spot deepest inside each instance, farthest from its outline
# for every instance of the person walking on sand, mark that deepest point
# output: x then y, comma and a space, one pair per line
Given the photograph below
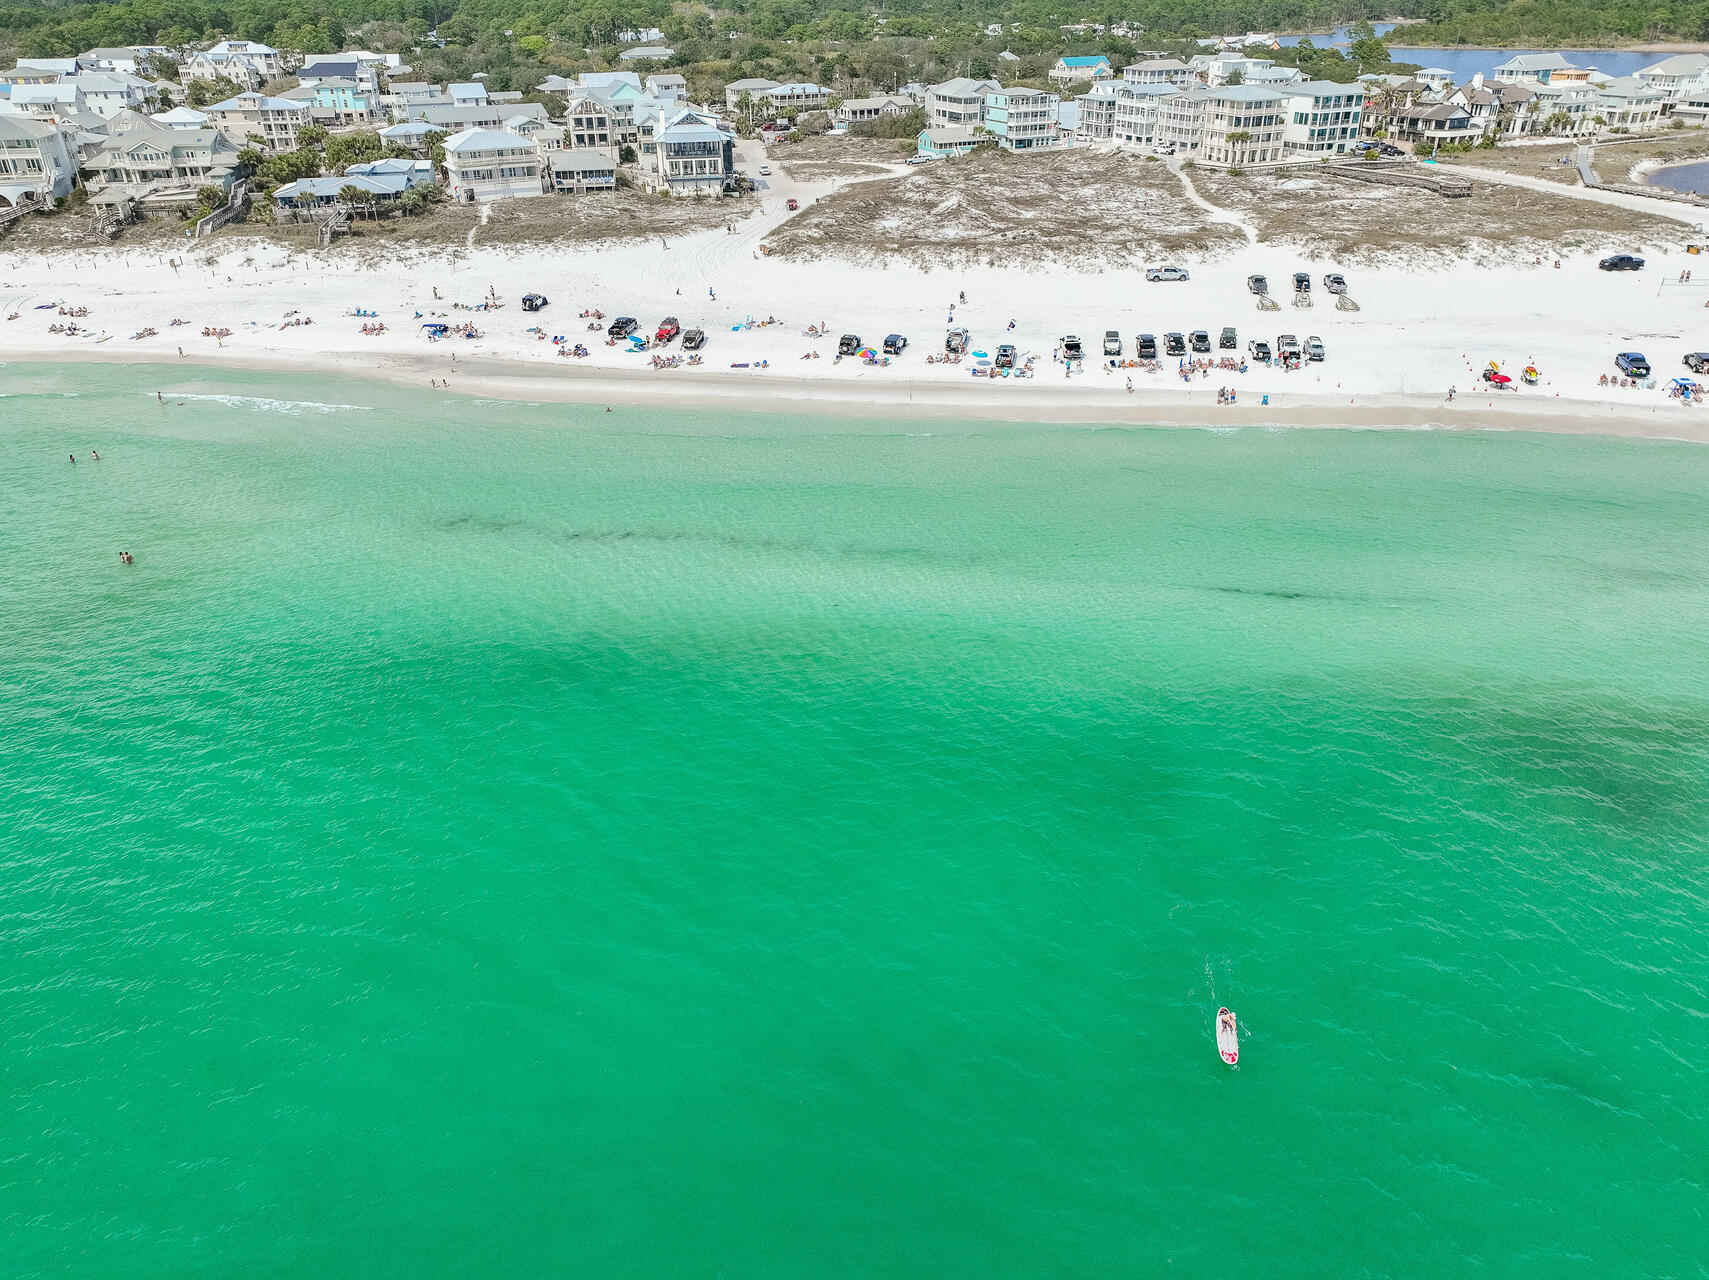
1450, 395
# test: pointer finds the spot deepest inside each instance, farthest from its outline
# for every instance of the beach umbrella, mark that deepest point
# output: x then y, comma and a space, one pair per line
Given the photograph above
867, 353
980, 355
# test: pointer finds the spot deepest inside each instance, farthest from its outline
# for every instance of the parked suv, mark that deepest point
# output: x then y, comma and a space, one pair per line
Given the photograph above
623, 326
1622, 262
1071, 348
1287, 345
1229, 340
1005, 357
1302, 282
1698, 362
894, 344
1174, 345
848, 344
1314, 348
1199, 340
1257, 284
1145, 347
1112, 343
1259, 350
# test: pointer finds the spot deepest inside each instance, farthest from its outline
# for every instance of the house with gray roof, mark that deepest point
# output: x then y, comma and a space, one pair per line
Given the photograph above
492, 164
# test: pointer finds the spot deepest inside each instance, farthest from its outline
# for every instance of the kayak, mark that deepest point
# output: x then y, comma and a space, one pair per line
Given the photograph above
1227, 1040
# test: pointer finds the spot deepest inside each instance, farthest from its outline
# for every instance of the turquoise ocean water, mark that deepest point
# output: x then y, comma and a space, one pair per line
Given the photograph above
494, 840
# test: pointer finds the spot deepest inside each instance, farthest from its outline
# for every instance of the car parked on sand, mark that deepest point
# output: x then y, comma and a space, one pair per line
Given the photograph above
1632, 364
1071, 348
1174, 344
1166, 273
1287, 345
623, 326
1005, 357
668, 329
1199, 341
955, 341
693, 339
1314, 348
1335, 282
1622, 262
1257, 284
765, 171
1112, 343
533, 301
1259, 350
919, 159
1698, 362
1145, 346
1302, 282
792, 204
1229, 340
894, 343
848, 344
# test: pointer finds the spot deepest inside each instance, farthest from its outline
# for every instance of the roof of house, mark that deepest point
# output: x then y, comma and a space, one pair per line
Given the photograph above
582, 160
645, 51
254, 47
466, 89
1247, 93
257, 102
951, 137
609, 79
1087, 60
964, 87
390, 184
61, 92
487, 140
1681, 64
1158, 64
410, 129
179, 116
1536, 62
751, 84
795, 88
392, 164
1629, 87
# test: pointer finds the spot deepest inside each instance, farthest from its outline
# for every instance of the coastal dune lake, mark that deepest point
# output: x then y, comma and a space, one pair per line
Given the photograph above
485, 840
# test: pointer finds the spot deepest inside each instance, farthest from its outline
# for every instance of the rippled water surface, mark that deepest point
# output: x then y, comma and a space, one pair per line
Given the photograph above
487, 840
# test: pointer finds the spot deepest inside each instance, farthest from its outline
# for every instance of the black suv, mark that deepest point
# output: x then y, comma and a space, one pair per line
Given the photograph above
1174, 345
1228, 341
622, 327
1698, 362
848, 344
1145, 347
1622, 262
1200, 341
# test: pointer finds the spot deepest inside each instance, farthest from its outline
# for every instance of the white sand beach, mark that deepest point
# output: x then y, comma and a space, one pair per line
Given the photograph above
1416, 333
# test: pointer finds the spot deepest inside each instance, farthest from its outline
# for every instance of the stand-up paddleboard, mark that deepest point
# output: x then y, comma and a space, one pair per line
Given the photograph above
1227, 1037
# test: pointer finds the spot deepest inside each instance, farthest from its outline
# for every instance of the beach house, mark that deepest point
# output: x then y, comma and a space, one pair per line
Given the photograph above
1158, 71
1499, 109
1322, 118
1677, 79
38, 160
1024, 119
1079, 69
648, 53
1242, 125
248, 116
958, 103
942, 143
858, 110
587, 122
1533, 67
747, 90
491, 164
694, 153
155, 163
580, 170
1627, 103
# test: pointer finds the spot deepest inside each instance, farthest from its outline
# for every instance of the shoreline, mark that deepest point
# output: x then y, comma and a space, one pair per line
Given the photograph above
495, 378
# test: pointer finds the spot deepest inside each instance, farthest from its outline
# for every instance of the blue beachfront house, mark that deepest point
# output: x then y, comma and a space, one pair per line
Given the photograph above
940, 143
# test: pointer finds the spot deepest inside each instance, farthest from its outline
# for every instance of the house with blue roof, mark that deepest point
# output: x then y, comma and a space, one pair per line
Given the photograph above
1080, 69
